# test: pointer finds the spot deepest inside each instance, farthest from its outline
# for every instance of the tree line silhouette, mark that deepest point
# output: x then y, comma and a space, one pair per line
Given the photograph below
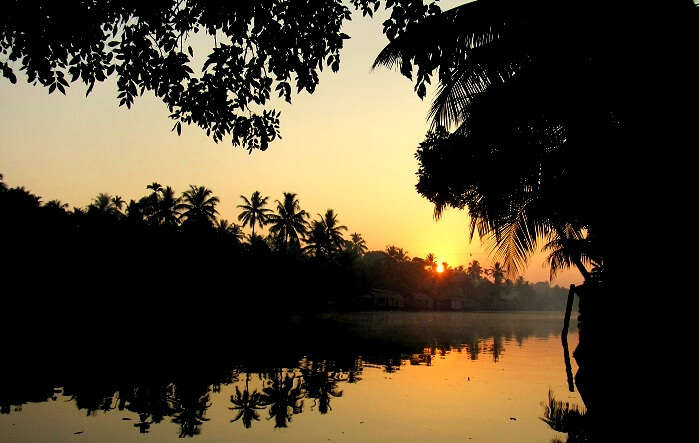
171, 252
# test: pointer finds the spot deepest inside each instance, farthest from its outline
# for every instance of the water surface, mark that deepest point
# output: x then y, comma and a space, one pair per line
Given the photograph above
385, 376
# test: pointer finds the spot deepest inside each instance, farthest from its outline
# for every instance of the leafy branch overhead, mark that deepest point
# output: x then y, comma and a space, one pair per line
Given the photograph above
258, 48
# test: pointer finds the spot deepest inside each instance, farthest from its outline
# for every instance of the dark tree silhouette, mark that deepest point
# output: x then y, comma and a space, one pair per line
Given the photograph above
231, 232
316, 239
256, 49
475, 270
254, 211
542, 97
333, 231
105, 205
198, 206
431, 261
168, 207
396, 253
356, 244
325, 236
118, 202
155, 187
289, 223
497, 272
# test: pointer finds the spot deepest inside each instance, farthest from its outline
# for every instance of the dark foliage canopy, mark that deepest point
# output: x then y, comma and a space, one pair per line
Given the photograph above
539, 113
259, 48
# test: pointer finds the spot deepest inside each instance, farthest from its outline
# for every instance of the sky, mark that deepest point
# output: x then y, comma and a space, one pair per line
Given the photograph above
348, 146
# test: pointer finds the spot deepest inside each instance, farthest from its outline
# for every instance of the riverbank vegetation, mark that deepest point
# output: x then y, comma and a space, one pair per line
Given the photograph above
174, 247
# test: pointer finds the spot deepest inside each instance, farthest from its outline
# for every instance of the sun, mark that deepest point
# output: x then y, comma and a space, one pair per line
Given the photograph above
440, 267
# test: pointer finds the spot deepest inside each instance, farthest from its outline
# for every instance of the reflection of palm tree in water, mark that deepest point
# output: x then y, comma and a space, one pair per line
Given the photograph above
473, 348
92, 398
247, 404
320, 384
284, 397
190, 405
497, 348
151, 402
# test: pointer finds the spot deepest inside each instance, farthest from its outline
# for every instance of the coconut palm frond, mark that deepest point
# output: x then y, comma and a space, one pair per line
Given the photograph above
513, 239
478, 69
466, 26
565, 252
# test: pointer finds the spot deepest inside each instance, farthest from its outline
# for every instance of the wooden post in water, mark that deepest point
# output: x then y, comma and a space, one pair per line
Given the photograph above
564, 338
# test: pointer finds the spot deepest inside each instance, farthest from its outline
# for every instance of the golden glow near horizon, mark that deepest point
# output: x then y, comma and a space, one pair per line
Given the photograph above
440, 267
349, 146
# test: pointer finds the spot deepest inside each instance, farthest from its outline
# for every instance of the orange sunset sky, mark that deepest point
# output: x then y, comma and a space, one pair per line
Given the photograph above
349, 146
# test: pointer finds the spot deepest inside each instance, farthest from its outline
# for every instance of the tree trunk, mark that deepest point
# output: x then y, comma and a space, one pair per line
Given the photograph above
564, 338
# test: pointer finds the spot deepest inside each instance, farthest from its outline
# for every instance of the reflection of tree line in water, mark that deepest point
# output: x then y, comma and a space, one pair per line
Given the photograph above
265, 386
185, 400
148, 250
282, 393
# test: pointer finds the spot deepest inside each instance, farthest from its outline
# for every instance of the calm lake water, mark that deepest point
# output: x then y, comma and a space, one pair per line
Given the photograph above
387, 376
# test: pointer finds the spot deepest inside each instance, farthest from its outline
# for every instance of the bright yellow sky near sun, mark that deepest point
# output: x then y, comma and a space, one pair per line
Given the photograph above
348, 146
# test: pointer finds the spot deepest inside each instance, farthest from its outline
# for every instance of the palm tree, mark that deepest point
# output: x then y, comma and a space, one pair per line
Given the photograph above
570, 247
357, 244
431, 261
56, 205
316, 239
236, 232
103, 204
198, 205
230, 230
474, 270
155, 187
325, 235
168, 207
222, 226
497, 272
118, 202
396, 253
289, 223
333, 231
254, 211
134, 212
